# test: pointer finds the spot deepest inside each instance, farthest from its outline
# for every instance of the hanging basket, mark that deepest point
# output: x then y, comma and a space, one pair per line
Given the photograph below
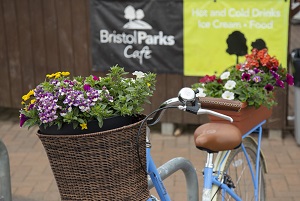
244, 117
99, 166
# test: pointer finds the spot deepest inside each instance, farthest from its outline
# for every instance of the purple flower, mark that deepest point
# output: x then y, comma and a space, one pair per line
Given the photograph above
46, 105
23, 118
246, 76
256, 79
256, 70
275, 75
269, 87
280, 83
86, 87
289, 79
30, 106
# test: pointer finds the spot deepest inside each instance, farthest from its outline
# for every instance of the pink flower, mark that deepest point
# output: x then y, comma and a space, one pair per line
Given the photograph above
280, 83
95, 77
289, 79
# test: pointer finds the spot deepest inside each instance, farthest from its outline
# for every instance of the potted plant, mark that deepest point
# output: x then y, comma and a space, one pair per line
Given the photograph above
90, 160
252, 84
61, 100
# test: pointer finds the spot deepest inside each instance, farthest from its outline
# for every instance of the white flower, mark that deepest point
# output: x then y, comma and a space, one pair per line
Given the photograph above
225, 75
69, 109
200, 93
230, 84
138, 74
228, 95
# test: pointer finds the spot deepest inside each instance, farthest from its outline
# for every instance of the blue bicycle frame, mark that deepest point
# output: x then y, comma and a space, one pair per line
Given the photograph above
210, 178
155, 177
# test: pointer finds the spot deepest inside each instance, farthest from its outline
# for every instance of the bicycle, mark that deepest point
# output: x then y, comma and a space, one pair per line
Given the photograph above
237, 172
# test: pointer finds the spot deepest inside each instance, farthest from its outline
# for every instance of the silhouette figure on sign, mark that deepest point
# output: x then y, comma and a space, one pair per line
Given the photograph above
259, 44
236, 42
135, 19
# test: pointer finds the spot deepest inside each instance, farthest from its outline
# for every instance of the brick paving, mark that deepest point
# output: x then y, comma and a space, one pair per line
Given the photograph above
32, 178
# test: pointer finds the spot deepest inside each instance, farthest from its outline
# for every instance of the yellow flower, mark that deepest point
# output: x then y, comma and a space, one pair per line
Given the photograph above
30, 93
57, 75
27, 96
83, 126
32, 101
65, 73
50, 75
148, 84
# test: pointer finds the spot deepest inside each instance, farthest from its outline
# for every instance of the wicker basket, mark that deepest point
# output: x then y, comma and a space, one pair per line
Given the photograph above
99, 166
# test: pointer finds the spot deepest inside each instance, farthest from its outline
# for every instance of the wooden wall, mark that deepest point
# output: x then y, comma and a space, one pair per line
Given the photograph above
45, 36
39, 37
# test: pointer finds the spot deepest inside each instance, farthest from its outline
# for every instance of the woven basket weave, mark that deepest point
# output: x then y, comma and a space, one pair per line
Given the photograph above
99, 166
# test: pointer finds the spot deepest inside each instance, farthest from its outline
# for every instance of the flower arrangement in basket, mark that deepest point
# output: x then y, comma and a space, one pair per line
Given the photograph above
61, 99
252, 82
105, 162
245, 91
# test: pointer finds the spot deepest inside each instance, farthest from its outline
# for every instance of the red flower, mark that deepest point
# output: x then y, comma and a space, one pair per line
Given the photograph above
207, 79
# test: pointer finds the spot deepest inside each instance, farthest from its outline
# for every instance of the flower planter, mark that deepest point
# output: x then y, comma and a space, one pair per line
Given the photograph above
92, 126
99, 166
245, 118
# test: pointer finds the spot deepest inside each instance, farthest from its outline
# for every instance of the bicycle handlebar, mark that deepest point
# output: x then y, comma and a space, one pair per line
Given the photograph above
185, 101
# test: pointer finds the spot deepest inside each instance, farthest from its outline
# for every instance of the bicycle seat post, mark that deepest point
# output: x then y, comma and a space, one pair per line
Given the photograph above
209, 160
208, 170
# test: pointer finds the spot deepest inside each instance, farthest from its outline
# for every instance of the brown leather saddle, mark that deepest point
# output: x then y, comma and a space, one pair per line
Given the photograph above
214, 137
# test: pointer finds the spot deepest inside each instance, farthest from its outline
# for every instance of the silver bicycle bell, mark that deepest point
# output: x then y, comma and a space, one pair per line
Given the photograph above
186, 95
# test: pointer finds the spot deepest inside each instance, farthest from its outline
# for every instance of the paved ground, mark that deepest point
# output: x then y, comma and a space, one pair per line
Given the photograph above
32, 178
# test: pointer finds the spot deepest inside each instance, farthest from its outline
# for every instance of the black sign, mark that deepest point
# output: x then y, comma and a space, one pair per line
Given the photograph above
137, 35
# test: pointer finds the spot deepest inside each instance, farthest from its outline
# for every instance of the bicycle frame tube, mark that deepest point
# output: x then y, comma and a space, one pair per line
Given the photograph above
220, 166
255, 178
224, 187
156, 179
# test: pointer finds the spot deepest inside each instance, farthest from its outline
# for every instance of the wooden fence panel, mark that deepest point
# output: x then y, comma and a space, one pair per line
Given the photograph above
278, 120
64, 32
160, 94
38, 40
51, 38
173, 85
5, 88
25, 48
13, 51
80, 35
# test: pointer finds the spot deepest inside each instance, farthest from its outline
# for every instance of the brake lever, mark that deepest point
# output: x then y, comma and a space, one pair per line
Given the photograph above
217, 114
